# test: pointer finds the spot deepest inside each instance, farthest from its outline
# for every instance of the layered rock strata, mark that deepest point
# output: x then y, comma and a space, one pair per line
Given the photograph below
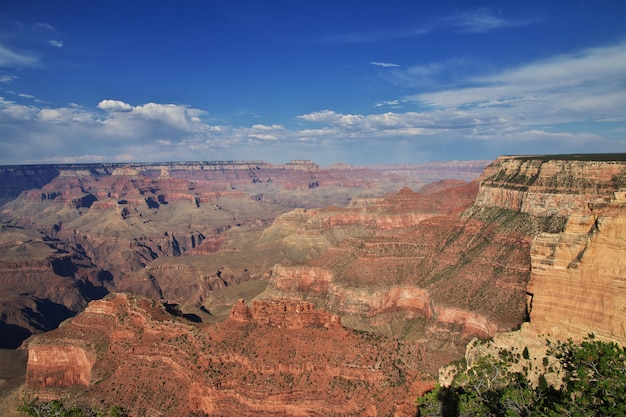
409, 256
271, 358
578, 277
124, 227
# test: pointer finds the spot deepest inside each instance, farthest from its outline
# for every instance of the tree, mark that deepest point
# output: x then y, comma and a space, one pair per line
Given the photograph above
55, 408
593, 384
595, 377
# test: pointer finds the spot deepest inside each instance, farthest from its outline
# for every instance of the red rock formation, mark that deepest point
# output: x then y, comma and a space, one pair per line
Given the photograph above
272, 358
408, 256
578, 277
114, 220
65, 364
284, 314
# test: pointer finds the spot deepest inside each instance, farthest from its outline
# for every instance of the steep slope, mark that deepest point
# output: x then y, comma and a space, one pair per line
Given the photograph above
270, 358
469, 274
577, 284
409, 265
578, 279
41, 284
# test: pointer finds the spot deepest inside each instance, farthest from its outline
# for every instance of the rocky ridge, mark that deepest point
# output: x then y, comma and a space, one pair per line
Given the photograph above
272, 358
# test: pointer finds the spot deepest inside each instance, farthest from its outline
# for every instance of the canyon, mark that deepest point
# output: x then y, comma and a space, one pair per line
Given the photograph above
215, 293
92, 229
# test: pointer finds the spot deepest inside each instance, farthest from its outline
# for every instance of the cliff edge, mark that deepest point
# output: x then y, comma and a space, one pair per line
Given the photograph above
577, 282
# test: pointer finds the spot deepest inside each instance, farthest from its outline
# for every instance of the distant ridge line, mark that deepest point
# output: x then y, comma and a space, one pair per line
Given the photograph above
135, 164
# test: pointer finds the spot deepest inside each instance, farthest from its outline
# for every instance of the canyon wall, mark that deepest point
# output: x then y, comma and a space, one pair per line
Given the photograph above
164, 230
578, 274
541, 242
270, 358
407, 265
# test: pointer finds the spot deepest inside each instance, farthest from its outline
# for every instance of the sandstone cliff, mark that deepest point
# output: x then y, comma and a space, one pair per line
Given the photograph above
272, 358
407, 265
578, 275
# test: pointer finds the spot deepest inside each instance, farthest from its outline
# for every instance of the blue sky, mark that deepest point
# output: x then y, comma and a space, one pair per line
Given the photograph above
359, 82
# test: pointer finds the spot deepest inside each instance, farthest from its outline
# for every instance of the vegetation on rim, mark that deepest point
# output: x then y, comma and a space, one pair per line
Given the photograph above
591, 382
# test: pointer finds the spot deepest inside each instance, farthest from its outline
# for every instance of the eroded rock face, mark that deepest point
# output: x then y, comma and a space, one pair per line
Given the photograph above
546, 186
578, 272
66, 363
409, 256
469, 272
578, 278
270, 358
283, 314
124, 227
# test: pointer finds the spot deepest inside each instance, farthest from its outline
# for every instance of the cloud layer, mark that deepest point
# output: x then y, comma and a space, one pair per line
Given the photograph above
568, 103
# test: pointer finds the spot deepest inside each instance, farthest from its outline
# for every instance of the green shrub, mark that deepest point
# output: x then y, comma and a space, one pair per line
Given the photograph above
593, 384
55, 408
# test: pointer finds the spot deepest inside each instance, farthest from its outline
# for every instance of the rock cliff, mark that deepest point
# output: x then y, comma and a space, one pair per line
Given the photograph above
271, 358
578, 275
406, 258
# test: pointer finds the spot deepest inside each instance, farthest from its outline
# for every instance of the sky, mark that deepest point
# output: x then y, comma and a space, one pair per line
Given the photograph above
360, 82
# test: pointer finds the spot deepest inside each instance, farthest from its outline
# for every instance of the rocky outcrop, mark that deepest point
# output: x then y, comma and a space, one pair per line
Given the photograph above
408, 256
283, 314
578, 280
272, 358
66, 363
551, 185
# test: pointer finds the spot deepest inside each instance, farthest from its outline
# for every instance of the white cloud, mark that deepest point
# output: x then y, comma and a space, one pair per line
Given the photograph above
554, 105
65, 115
11, 111
376, 36
172, 115
12, 59
143, 133
78, 159
56, 44
114, 106
384, 64
483, 20
265, 127
563, 104
262, 136
5, 79
574, 87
